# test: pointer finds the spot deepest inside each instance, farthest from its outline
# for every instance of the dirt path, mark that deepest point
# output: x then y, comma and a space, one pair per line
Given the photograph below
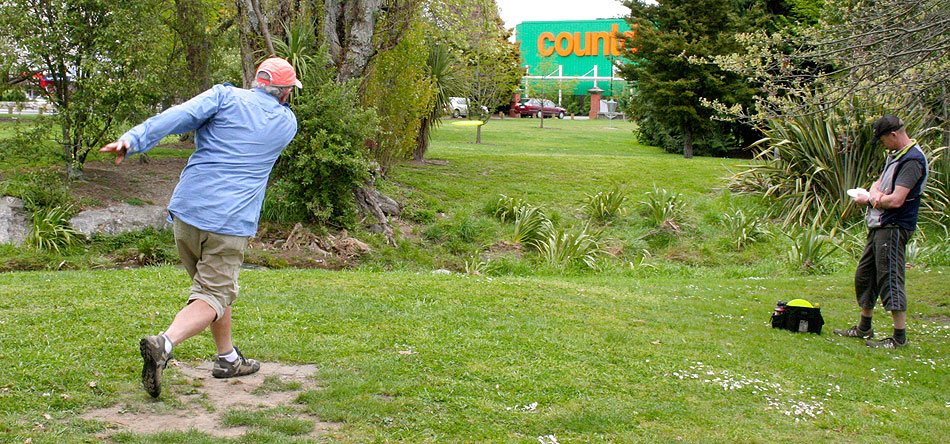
192, 399
104, 184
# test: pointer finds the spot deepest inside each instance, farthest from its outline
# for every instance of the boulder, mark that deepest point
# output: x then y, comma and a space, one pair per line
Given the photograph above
14, 221
120, 219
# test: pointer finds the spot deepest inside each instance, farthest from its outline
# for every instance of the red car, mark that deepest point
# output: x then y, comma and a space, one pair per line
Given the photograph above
528, 107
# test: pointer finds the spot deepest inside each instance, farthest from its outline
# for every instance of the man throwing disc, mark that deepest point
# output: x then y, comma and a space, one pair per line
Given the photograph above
215, 208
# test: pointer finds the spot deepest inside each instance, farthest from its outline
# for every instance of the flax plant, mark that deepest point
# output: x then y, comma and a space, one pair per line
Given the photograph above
743, 229
561, 248
529, 224
662, 205
50, 229
604, 205
810, 248
505, 208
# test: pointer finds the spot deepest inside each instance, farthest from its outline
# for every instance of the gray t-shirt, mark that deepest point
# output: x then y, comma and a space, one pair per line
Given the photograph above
909, 175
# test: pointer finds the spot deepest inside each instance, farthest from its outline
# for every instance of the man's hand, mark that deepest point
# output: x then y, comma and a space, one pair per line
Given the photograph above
119, 147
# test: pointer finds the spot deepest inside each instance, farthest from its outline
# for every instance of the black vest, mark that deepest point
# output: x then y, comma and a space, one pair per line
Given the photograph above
906, 215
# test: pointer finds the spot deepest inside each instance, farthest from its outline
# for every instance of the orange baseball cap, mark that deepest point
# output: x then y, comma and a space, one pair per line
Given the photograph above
282, 74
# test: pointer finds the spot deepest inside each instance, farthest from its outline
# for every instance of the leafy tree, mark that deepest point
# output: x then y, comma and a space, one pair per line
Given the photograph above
669, 85
400, 89
96, 52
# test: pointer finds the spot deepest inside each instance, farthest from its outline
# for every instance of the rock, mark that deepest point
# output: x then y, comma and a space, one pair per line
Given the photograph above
441, 271
14, 221
120, 219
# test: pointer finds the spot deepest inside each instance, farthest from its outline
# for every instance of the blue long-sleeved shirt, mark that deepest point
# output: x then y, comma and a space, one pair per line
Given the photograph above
239, 134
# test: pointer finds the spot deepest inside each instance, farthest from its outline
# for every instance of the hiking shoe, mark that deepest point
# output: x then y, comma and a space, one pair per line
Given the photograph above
240, 367
154, 360
890, 343
855, 332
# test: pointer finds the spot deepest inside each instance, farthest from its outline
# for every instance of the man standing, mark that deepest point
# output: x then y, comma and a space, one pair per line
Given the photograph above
894, 201
215, 208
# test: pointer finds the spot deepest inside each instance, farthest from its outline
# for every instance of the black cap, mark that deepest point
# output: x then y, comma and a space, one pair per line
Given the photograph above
885, 125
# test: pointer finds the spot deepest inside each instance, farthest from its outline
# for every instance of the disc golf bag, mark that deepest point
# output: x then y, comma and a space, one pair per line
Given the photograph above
800, 317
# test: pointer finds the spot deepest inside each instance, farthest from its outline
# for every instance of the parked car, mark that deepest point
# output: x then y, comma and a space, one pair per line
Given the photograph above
458, 107
528, 107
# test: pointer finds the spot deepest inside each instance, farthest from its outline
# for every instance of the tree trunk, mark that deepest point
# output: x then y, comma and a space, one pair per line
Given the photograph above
946, 118
255, 31
478, 134
422, 140
348, 28
191, 29
368, 202
688, 142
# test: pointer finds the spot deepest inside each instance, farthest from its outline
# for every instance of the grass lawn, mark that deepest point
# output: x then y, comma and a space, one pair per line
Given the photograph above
675, 348
555, 165
452, 358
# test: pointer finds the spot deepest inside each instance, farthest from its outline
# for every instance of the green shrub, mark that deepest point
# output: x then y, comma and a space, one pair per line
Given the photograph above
718, 142
398, 86
316, 174
12, 95
280, 206
40, 189
51, 230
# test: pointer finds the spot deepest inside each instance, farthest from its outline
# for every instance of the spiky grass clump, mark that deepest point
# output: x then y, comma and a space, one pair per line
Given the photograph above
604, 205
50, 229
744, 229
529, 224
561, 248
505, 208
662, 206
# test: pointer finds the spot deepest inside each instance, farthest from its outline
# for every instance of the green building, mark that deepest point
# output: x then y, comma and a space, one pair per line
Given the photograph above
573, 50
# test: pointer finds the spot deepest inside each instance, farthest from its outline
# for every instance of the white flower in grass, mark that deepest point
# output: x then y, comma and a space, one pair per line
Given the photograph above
548, 439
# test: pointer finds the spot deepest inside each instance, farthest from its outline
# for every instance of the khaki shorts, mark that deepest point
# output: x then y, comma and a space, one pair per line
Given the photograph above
213, 261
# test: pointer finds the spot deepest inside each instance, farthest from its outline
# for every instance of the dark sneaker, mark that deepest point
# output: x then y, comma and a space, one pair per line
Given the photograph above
154, 360
241, 367
855, 332
890, 343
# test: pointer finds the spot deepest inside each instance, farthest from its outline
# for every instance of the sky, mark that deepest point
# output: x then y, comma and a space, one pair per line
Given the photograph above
517, 11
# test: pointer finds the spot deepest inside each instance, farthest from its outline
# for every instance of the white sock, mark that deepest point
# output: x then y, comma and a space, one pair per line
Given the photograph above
230, 357
168, 343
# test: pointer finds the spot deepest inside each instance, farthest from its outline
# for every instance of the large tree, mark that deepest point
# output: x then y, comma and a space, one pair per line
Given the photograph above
96, 52
669, 33
847, 49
